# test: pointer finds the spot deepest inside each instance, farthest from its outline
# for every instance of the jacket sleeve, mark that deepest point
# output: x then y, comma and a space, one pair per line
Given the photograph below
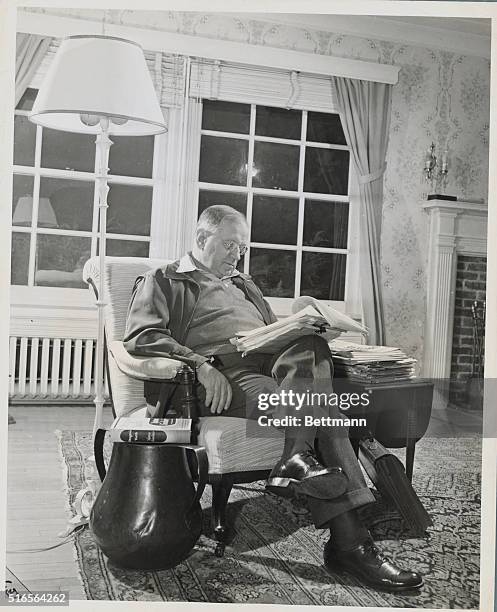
147, 323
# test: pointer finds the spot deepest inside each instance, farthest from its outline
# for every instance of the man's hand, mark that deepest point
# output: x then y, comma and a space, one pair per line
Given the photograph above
331, 334
217, 388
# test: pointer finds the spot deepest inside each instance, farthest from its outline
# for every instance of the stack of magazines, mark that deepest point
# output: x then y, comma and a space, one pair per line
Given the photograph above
371, 364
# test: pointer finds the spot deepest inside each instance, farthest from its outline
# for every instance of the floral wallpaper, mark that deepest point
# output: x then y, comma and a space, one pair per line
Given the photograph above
441, 97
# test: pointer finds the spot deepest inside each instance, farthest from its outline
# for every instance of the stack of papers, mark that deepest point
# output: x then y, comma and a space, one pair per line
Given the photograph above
363, 363
309, 317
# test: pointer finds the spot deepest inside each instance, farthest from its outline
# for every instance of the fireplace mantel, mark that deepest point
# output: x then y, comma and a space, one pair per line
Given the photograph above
454, 228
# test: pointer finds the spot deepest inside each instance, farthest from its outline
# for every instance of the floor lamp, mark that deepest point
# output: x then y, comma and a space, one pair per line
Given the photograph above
99, 85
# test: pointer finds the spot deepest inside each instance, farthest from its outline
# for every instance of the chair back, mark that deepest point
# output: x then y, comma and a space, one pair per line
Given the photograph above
120, 274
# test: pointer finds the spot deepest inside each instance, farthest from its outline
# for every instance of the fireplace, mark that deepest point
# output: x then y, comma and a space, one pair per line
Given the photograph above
467, 339
457, 230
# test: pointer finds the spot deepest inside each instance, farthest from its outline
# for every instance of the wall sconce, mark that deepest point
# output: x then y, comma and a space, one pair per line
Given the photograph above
430, 163
436, 172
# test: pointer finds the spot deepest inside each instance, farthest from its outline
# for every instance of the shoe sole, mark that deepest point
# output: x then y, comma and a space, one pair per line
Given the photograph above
317, 486
336, 568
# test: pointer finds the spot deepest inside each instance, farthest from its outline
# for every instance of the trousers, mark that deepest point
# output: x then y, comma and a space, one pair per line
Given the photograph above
303, 367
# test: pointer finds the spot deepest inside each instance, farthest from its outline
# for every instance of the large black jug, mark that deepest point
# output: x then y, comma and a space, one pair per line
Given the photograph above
147, 513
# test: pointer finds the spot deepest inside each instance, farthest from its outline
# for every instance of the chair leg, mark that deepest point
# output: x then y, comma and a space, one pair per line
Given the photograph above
221, 490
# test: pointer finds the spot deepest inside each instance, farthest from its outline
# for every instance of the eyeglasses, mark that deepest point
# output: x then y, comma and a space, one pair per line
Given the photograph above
231, 246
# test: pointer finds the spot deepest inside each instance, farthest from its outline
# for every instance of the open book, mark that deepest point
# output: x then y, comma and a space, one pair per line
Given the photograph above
309, 317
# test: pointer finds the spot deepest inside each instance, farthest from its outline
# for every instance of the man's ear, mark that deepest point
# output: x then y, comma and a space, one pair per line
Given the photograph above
200, 238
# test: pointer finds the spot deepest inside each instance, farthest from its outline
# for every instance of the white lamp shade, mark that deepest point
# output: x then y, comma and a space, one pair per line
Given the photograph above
24, 211
102, 76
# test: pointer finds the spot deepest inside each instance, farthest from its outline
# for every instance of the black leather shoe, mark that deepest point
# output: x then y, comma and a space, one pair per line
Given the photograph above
366, 563
302, 474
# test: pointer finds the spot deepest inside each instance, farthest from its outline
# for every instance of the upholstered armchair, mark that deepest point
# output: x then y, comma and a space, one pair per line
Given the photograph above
233, 458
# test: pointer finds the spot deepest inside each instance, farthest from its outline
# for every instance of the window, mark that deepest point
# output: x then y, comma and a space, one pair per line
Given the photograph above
288, 171
55, 204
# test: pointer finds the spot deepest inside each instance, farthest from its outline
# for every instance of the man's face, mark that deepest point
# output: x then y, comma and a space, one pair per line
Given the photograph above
213, 252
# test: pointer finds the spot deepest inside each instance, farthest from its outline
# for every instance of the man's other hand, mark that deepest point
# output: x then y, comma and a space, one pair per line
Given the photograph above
217, 388
331, 334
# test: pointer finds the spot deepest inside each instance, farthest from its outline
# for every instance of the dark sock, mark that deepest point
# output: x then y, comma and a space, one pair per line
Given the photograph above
295, 445
347, 531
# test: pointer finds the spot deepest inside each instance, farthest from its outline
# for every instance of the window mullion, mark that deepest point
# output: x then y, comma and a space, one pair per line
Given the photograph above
300, 188
349, 262
113, 179
273, 139
66, 232
34, 215
219, 134
39, 137
25, 170
276, 247
326, 197
316, 249
222, 187
130, 237
246, 263
325, 145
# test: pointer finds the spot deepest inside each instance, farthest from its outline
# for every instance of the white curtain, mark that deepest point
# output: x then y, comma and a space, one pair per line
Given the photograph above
365, 109
30, 51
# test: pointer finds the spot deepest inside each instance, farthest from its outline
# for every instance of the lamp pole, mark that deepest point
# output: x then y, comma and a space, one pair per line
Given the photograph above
103, 143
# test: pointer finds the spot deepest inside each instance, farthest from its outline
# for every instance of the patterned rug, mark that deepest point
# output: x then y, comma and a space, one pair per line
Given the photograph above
275, 555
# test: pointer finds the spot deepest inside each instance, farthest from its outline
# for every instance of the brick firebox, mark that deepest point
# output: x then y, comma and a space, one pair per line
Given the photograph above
470, 286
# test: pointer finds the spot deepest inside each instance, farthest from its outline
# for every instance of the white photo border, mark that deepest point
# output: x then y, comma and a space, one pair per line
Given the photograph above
353, 7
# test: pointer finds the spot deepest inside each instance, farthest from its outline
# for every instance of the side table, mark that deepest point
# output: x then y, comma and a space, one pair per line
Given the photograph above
398, 413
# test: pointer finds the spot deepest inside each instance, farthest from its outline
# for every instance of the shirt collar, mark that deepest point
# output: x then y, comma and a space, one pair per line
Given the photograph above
187, 264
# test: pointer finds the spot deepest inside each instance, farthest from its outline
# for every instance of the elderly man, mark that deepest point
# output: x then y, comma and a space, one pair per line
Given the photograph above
189, 310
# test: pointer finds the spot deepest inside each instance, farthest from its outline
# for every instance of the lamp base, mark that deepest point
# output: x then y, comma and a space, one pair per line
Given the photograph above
441, 196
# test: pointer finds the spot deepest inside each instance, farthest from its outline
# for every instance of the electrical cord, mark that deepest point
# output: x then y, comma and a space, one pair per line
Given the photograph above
78, 529
82, 505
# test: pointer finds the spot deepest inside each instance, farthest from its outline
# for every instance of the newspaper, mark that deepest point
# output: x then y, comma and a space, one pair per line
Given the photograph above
309, 317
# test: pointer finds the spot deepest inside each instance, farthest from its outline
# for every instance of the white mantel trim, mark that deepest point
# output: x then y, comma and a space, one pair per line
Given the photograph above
198, 46
447, 240
461, 206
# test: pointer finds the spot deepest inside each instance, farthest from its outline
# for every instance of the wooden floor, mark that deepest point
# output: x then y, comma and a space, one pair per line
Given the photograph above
37, 510
36, 501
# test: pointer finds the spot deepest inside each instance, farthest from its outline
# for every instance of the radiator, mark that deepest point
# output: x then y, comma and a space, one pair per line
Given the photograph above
51, 369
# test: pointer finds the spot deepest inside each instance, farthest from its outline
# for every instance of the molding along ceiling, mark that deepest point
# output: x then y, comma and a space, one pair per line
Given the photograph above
460, 35
211, 48
465, 35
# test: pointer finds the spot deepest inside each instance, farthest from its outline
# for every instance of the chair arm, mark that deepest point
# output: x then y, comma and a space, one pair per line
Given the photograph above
91, 272
144, 368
